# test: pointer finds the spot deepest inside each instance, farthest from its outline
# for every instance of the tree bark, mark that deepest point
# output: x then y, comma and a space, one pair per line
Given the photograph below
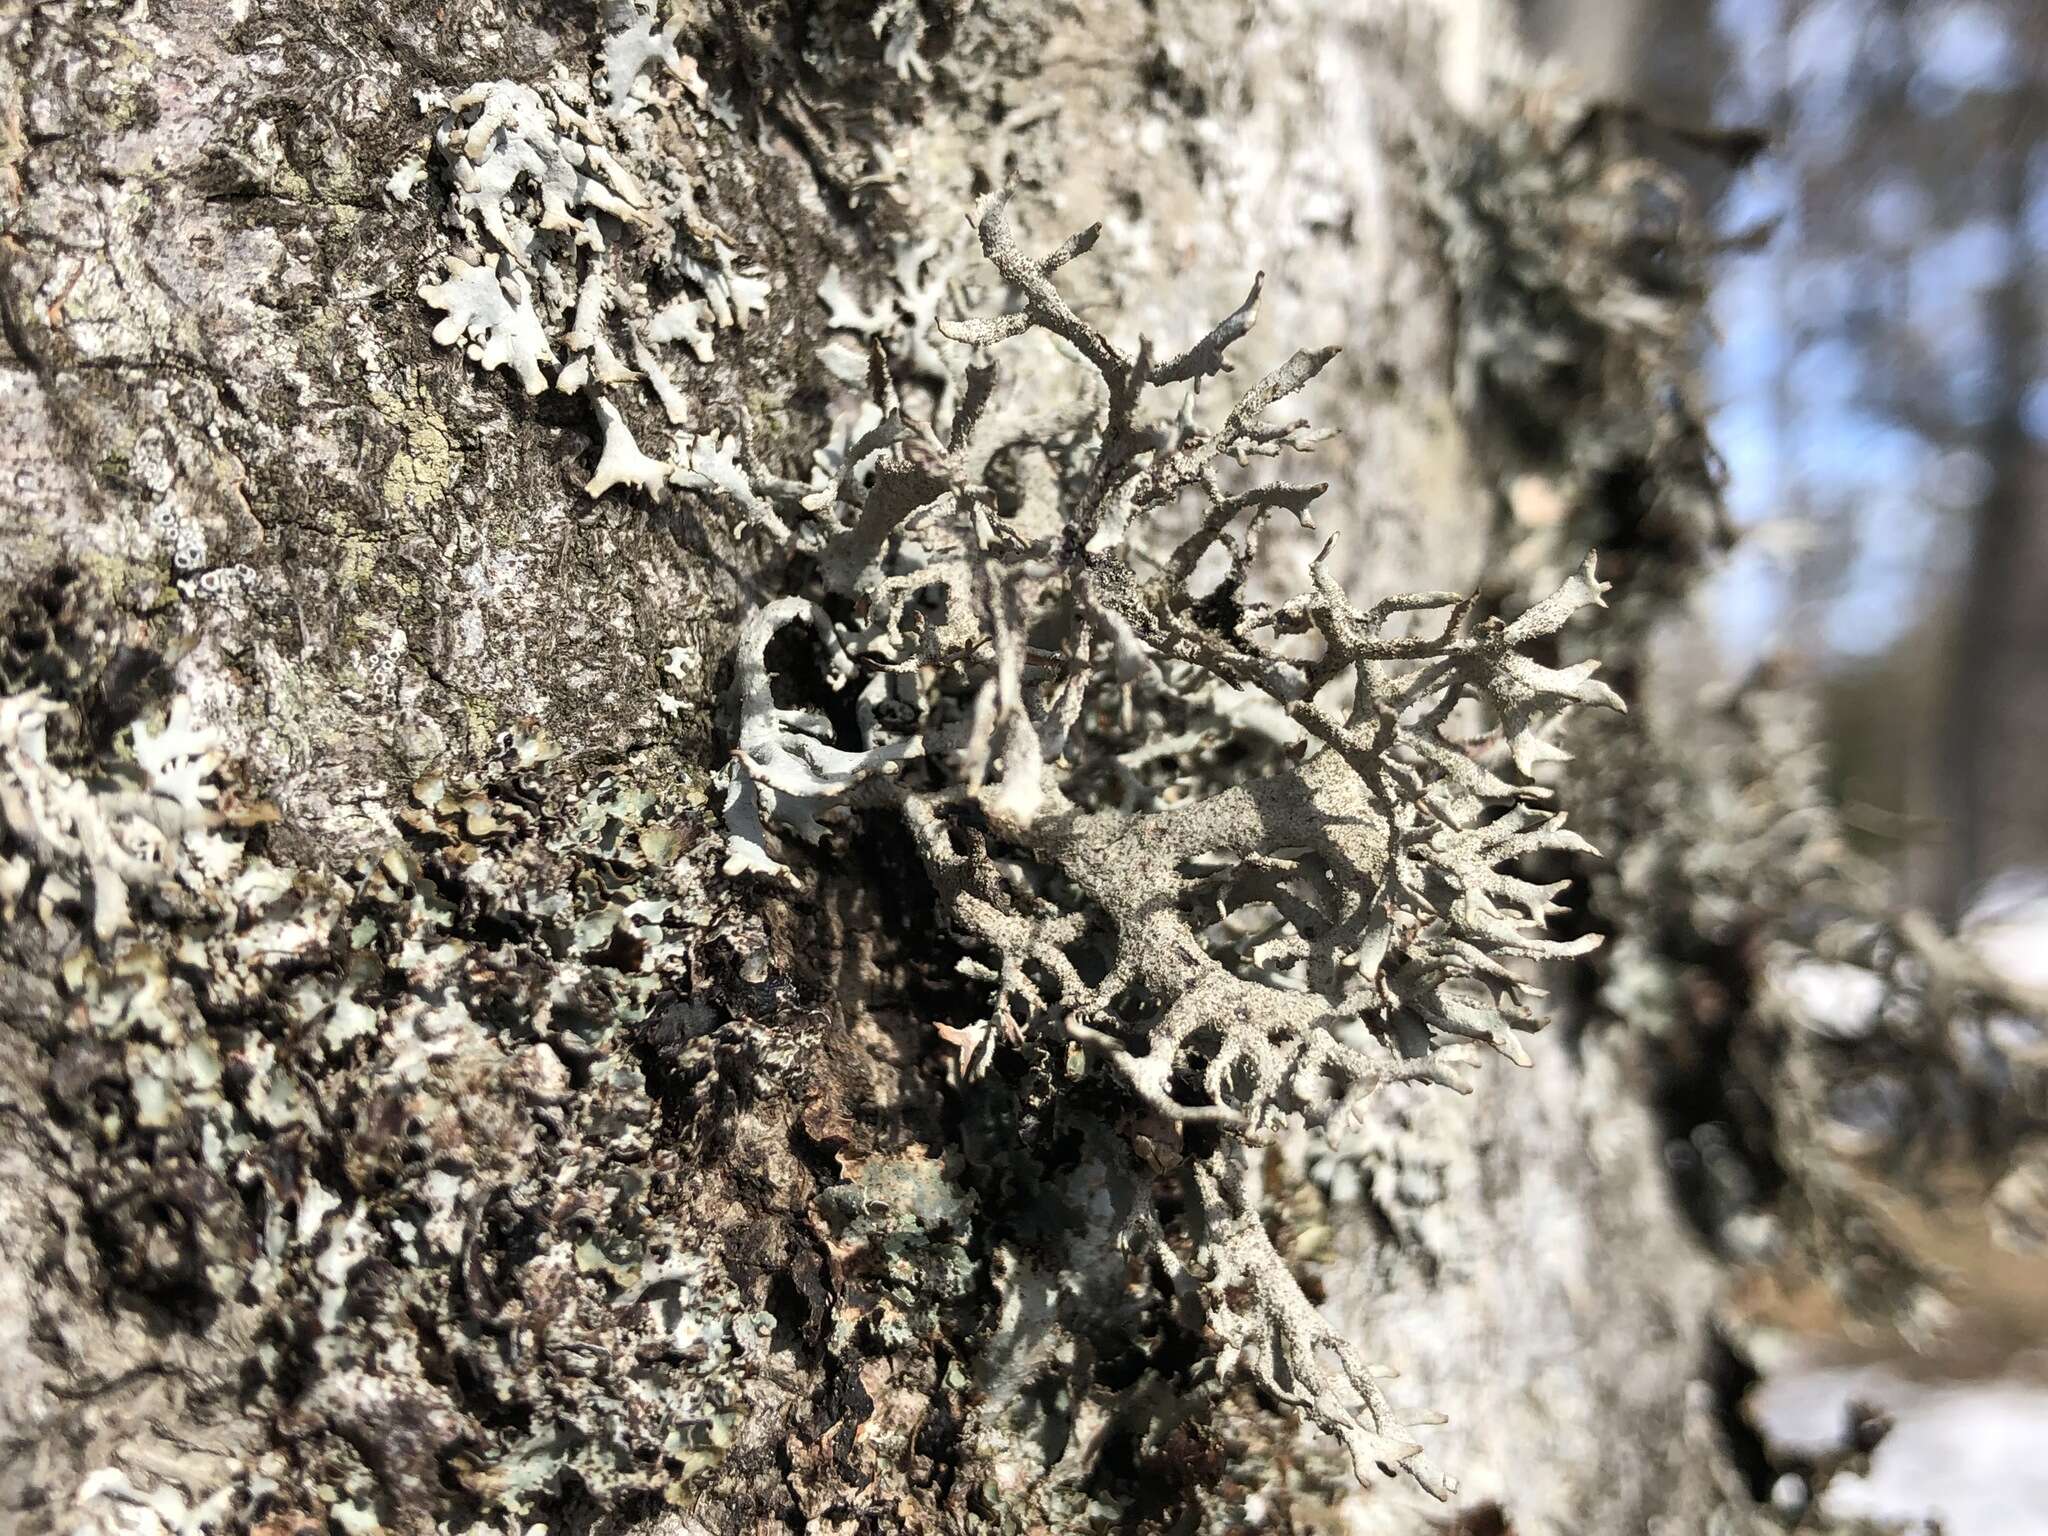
448, 1139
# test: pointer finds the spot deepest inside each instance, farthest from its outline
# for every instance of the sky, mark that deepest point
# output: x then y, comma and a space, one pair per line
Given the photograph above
1815, 465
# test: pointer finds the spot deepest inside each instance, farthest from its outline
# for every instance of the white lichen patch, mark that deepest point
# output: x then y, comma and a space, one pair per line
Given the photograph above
103, 844
491, 316
582, 262
622, 462
410, 173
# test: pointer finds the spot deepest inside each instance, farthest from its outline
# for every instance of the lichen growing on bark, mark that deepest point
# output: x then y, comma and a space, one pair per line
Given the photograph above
1816, 1051
307, 1110
583, 262
912, 1205
1263, 953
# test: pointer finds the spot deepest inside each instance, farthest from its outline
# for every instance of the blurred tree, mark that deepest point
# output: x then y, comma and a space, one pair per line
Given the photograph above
1908, 278
1996, 795
1881, 385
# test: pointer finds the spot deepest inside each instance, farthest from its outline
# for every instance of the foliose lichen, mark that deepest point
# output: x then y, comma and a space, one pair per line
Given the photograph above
583, 260
375, 1148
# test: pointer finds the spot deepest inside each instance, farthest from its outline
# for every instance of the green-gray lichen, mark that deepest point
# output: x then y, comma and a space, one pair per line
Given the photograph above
306, 1111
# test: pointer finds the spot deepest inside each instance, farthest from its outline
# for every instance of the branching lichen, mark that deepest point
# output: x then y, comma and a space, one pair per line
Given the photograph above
1041, 693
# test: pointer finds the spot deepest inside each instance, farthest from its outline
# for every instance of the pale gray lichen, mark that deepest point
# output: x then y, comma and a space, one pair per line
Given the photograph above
922, 273
100, 842
1262, 953
493, 314
583, 260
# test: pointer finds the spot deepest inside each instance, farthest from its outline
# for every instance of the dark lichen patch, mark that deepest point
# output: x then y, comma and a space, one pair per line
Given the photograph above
1580, 272
377, 1137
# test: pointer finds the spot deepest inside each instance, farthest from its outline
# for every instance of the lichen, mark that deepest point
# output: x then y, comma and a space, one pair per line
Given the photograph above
583, 262
1581, 273
1260, 951
1840, 1052
1815, 1051
422, 471
384, 1132
1819, 1052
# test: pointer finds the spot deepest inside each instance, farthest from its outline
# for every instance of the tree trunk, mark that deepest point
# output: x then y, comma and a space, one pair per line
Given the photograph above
1997, 810
409, 1123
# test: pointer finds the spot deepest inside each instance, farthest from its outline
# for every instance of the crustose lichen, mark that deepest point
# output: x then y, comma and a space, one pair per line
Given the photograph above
1257, 857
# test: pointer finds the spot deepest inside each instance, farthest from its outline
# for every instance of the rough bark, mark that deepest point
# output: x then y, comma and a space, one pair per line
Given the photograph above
448, 1142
